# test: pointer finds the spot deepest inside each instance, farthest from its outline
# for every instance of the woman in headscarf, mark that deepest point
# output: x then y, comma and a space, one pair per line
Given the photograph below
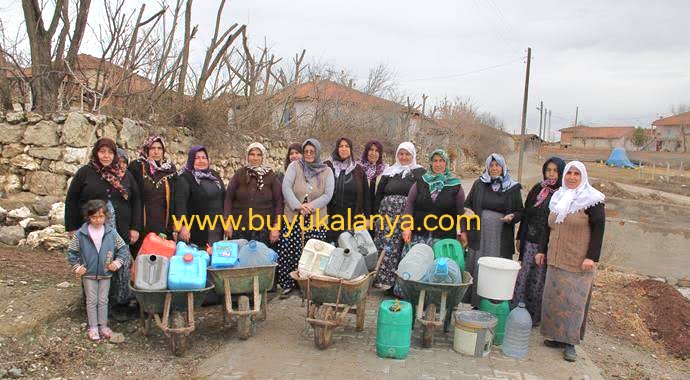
155, 175
255, 186
534, 228
103, 178
349, 186
576, 222
373, 166
307, 188
437, 193
497, 200
294, 153
199, 191
391, 200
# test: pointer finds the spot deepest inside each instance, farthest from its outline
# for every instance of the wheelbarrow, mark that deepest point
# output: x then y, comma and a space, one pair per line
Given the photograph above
330, 300
434, 303
172, 311
254, 282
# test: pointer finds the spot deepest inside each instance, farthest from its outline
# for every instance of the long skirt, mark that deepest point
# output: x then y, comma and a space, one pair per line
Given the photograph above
119, 293
565, 304
489, 246
423, 238
290, 250
529, 286
391, 207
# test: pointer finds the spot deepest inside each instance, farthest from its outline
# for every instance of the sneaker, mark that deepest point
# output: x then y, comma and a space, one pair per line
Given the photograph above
285, 294
92, 334
569, 353
553, 344
105, 332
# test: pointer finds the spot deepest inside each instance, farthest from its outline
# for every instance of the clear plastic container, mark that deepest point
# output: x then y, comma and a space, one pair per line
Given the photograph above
518, 330
361, 242
255, 254
416, 262
442, 271
345, 264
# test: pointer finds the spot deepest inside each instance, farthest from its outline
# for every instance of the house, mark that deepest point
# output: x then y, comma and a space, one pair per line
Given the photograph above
324, 103
672, 133
532, 142
605, 137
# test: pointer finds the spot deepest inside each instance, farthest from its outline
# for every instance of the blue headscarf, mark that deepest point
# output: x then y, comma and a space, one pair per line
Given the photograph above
501, 183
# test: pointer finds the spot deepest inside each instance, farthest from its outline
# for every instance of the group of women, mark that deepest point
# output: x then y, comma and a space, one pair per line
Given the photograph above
559, 238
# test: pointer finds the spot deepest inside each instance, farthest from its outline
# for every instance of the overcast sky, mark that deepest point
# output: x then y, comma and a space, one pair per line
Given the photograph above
622, 62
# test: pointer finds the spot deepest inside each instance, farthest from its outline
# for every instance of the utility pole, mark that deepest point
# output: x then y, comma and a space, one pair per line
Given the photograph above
548, 135
524, 115
577, 109
541, 114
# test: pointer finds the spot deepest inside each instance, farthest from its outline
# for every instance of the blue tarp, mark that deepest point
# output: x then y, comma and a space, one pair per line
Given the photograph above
619, 159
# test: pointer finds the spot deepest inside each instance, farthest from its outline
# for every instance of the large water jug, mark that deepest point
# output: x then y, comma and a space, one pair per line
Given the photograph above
240, 243
394, 329
255, 254
443, 271
182, 249
500, 309
345, 264
157, 245
187, 272
518, 330
416, 262
361, 242
314, 257
451, 249
224, 254
152, 272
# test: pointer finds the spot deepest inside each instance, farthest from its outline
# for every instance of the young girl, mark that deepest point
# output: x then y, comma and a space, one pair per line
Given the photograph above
96, 251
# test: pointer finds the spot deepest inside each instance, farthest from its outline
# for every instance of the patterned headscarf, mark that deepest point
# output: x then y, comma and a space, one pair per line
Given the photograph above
398, 167
372, 170
435, 181
317, 167
549, 186
112, 173
294, 146
339, 164
200, 174
501, 183
157, 170
257, 171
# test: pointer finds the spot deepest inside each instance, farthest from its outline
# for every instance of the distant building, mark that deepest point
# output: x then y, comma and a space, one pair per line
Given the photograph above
672, 133
610, 137
532, 142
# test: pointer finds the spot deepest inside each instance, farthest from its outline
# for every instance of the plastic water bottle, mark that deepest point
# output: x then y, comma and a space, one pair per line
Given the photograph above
442, 271
255, 254
518, 330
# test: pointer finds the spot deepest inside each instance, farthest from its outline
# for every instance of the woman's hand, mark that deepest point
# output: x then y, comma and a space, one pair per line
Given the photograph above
539, 259
133, 236
508, 218
183, 234
113, 266
306, 209
80, 271
274, 235
407, 236
463, 240
587, 265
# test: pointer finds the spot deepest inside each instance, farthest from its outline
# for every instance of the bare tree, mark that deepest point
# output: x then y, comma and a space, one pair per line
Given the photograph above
381, 82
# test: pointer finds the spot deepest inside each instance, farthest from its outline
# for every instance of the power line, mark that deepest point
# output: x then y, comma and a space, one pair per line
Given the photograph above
466, 73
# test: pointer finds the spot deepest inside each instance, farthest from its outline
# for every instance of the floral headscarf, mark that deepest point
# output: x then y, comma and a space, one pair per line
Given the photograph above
257, 171
157, 170
112, 173
501, 183
372, 170
438, 181
549, 186
200, 174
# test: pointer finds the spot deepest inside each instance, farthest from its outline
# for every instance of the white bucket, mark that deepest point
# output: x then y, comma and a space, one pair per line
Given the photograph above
496, 278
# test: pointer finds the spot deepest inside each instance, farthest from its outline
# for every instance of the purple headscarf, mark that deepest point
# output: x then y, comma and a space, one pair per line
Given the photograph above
372, 170
200, 174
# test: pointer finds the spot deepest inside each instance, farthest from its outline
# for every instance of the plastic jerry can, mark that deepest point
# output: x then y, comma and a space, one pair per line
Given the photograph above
152, 272
394, 329
314, 257
183, 249
158, 245
416, 262
499, 309
224, 254
240, 243
452, 249
255, 254
361, 242
186, 272
442, 271
345, 264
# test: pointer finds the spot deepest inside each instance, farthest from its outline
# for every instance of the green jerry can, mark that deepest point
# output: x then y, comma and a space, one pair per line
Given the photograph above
452, 249
499, 309
394, 329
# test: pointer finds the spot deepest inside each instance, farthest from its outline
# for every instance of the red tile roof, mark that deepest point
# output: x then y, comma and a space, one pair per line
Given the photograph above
680, 119
331, 91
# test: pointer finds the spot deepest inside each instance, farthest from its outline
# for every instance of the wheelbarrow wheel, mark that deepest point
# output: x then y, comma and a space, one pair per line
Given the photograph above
323, 334
428, 328
178, 342
244, 322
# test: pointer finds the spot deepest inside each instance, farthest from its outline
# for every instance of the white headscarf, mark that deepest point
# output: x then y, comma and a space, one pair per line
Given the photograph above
398, 167
568, 201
